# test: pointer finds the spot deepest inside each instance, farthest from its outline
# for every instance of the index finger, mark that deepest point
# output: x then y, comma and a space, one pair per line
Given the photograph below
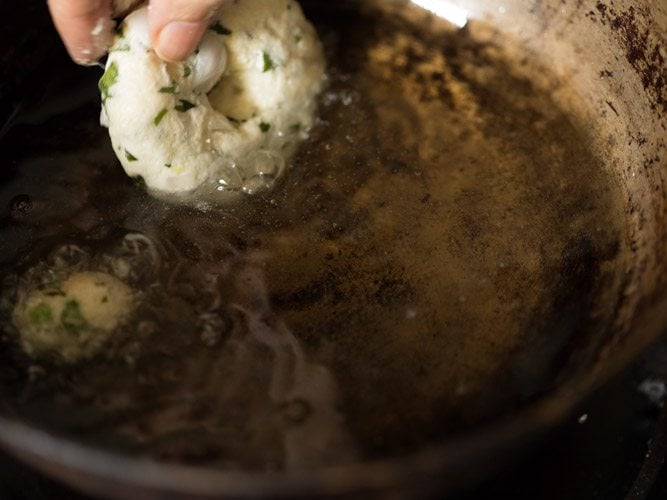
85, 27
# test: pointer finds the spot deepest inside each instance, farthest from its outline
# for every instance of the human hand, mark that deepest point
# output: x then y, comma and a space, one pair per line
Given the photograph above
86, 27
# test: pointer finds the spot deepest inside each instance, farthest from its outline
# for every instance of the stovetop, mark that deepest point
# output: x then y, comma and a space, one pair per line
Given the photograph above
613, 449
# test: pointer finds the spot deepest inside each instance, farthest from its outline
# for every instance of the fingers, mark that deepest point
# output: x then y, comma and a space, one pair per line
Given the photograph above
85, 27
177, 25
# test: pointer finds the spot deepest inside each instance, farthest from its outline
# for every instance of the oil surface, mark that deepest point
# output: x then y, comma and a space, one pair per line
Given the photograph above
443, 238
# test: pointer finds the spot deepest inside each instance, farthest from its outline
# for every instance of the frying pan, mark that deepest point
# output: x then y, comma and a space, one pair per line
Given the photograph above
612, 56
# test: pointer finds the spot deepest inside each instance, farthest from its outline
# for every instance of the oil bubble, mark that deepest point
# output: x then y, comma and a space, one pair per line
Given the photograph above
20, 206
67, 256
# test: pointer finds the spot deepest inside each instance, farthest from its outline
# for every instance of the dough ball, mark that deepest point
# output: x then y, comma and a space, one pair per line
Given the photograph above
74, 318
228, 119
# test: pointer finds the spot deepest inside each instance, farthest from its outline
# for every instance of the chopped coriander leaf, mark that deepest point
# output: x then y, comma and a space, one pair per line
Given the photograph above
41, 315
264, 127
187, 71
184, 106
130, 156
108, 80
220, 29
168, 165
268, 62
139, 181
297, 38
295, 128
158, 118
169, 90
105, 299
72, 319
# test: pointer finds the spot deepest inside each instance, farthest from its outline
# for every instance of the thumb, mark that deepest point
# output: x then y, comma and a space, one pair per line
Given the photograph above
177, 26
85, 27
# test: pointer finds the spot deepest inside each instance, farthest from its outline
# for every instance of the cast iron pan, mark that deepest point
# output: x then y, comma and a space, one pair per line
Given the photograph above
592, 299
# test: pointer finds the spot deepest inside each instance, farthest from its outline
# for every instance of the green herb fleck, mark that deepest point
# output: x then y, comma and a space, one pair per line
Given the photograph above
130, 156
41, 315
120, 48
295, 128
158, 118
168, 165
268, 62
220, 29
139, 181
105, 299
186, 71
169, 90
72, 319
297, 38
264, 127
184, 106
108, 80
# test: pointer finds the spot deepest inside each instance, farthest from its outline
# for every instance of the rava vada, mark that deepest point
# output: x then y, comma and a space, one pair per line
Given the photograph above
226, 120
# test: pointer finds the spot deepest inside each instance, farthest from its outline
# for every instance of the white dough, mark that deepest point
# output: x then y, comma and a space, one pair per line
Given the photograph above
75, 318
228, 118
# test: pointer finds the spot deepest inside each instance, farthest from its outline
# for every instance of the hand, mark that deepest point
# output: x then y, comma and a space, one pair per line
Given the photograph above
176, 25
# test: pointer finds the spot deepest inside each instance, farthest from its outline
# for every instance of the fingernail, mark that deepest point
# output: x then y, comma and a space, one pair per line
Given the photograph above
177, 39
88, 56
85, 58
97, 44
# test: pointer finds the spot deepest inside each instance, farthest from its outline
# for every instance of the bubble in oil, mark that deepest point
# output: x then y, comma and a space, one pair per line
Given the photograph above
264, 163
261, 170
213, 328
68, 256
20, 206
136, 259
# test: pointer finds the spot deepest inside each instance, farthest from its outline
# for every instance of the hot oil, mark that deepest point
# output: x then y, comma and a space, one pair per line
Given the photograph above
443, 239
